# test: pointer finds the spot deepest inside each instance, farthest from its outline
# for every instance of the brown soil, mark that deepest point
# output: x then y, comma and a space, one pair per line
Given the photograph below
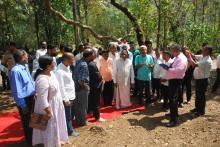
147, 128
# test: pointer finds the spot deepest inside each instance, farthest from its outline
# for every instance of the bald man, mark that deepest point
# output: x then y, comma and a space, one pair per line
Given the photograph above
67, 89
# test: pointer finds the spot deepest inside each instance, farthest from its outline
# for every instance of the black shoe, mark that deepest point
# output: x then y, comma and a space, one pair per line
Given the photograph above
193, 110
171, 124
198, 114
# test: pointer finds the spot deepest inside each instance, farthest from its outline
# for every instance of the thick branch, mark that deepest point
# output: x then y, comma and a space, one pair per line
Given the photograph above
155, 1
133, 19
74, 23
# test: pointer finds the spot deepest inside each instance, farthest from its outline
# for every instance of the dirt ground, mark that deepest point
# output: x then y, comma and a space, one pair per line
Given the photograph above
147, 128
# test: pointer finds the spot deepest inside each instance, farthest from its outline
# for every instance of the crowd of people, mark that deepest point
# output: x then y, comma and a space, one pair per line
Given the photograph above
69, 84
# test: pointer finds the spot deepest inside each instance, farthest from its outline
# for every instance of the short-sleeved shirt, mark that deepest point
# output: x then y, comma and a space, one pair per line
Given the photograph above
204, 67
144, 72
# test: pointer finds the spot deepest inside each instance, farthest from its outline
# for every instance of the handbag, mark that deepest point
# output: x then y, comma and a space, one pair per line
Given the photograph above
39, 121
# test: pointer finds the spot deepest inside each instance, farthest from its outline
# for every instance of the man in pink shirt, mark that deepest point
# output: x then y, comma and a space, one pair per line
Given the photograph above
175, 74
106, 69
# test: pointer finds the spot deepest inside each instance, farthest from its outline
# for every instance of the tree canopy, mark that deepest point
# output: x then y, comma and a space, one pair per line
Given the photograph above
187, 22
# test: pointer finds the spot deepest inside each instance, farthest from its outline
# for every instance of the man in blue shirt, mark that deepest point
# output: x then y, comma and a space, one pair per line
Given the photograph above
143, 65
81, 78
23, 90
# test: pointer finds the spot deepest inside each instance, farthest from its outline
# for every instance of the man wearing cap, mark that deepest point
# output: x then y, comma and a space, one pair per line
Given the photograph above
201, 74
175, 76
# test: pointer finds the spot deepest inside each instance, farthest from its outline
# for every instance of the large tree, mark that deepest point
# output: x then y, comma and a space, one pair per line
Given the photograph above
75, 23
133, 19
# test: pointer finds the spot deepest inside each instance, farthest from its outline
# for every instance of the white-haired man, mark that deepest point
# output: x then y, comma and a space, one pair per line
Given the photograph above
143, 65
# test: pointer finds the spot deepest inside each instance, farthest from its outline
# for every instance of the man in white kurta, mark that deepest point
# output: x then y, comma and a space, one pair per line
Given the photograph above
123, 77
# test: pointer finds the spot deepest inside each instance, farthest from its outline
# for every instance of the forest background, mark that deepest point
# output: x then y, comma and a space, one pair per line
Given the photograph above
186, 22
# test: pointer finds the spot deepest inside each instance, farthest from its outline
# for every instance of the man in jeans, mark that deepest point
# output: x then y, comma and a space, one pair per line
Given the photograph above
67, 89
81, 79
143, 65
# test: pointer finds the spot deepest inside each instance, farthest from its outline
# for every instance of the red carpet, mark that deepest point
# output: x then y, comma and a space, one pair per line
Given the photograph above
11, 131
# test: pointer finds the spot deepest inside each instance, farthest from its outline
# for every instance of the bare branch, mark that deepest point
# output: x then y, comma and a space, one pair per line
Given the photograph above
133, 19
74, 23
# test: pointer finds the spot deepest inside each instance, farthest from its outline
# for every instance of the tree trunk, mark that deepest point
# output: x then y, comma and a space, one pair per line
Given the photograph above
133, 19
86, 10
165, 42
158, 5
76, 18
74, 23
195, 3
36, 22
203, 10
7, 33
47, 29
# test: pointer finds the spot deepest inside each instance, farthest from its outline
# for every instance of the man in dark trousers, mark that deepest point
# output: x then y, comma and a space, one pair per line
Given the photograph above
95, 84
23, 90
187, 82
175, 76
201, 74
81, 78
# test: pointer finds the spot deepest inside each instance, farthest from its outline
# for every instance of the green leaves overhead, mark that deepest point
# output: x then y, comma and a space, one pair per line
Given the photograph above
188, 22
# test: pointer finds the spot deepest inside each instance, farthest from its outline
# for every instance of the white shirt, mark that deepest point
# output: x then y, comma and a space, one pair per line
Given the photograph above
40, 52
218, 61
162, 74
123, 72
117, 56
67, 86
114, 58
130, 55
204, 67
157, 67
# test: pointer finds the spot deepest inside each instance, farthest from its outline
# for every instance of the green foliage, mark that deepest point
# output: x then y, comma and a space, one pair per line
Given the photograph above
184, 22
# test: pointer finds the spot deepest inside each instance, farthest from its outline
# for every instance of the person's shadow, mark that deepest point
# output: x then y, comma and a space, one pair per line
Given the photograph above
150, 122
